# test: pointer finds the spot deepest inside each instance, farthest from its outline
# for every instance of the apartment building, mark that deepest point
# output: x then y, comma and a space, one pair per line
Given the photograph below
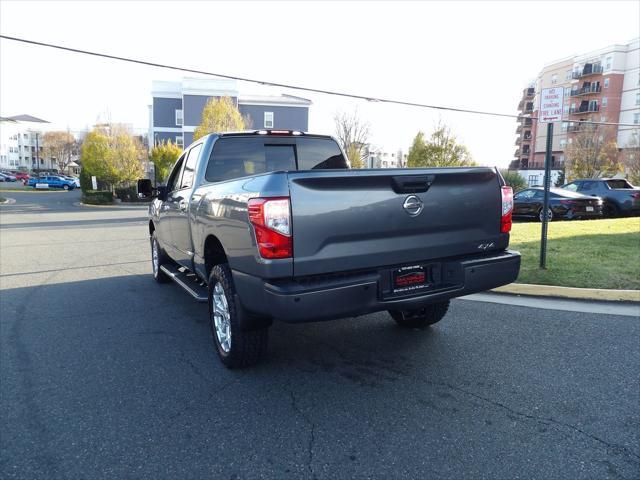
21, 142
176, 108
602, 85
379, 158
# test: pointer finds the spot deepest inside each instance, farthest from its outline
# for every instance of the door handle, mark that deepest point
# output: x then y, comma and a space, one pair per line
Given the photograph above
183, 206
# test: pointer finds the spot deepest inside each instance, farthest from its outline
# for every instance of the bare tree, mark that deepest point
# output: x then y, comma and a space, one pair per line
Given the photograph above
592, 153
353, 135
631, 159
59, 147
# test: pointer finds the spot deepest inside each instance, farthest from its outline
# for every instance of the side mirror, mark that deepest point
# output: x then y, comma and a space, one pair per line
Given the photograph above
161, 192
145, 188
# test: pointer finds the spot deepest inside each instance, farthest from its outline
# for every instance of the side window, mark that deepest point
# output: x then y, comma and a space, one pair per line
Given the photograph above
190, 166
586, 186
525, 195
538, 195
572, 186
175, 175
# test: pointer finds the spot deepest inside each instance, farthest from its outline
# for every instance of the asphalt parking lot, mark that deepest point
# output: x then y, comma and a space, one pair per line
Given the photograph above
105, 374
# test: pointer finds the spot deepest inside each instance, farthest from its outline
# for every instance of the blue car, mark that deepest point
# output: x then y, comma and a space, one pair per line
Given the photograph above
52, 182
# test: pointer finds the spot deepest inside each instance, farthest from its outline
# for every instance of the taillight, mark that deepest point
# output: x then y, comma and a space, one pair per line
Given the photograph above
271, 220
635, 195
507, 209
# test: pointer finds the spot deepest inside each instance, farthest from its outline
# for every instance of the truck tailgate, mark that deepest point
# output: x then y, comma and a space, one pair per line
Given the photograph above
358, 219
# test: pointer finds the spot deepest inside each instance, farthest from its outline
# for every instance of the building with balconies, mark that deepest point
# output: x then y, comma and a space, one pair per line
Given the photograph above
599, 86
21, 142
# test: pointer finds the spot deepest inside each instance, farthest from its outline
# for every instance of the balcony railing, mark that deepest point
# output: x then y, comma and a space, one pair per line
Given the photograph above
587, 70
519, 129
526, 137
586, 109
585, 90
530, 92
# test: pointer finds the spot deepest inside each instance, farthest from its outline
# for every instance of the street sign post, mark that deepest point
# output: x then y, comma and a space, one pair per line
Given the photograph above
94, 182
551, 104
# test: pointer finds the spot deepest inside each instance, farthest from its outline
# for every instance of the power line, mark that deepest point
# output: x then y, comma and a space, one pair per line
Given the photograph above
292, 87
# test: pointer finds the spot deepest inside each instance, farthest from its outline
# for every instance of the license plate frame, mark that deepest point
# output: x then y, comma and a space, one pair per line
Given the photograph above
410, 279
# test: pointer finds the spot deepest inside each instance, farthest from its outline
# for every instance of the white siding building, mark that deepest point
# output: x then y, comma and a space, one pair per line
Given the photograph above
20, 135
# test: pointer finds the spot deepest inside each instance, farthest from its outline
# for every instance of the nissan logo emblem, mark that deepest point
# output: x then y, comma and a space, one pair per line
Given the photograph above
413, 205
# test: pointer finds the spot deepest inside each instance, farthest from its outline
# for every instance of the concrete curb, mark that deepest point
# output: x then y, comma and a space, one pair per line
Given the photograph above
570, 292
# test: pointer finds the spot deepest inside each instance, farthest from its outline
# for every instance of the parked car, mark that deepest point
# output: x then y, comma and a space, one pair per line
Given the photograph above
563, 204
21, 176
268, 225
75, 180
619, 196
52, 182
7, 177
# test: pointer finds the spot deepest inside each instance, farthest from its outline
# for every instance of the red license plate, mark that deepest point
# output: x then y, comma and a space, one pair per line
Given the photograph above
406, 279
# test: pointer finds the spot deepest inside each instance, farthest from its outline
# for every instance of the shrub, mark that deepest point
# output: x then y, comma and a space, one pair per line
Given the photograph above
127, 194
97, 197
514, 180
85, 180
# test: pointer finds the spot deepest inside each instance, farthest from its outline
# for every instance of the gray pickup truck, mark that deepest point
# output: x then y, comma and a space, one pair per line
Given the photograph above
273, 225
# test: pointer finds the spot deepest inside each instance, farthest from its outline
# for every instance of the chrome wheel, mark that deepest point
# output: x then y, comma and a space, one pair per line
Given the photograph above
221, 317
549, 215
154, 256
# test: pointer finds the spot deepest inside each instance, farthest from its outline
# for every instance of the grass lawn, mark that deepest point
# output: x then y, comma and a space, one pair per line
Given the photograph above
581, 253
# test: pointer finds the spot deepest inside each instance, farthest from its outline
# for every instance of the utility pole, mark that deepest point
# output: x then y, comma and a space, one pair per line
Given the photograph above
37, 152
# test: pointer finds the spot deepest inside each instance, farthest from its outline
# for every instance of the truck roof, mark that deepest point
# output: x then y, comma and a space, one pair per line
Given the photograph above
275, 132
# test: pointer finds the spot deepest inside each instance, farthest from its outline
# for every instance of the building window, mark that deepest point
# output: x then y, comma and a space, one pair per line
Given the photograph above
603, 118
563, 143
565, 124
636, 118
554, 79
637, 98
607, 63
533, 180
180, 141
568, 75
268, 119
604, 101
179, 117
606, 83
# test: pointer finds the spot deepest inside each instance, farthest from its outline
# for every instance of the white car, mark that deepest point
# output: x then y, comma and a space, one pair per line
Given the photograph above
76, 180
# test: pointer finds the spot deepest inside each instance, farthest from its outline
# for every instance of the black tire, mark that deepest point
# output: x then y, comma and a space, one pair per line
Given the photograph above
550, 215
65, 187
610, 210
246, 347
158, 274
422, 317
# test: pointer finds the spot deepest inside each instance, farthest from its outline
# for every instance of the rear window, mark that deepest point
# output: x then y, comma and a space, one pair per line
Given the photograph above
235, 157
619, 183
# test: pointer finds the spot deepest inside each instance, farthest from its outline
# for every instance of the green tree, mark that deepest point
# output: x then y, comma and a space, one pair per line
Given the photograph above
592, 153
514, 180
112, 154
220, 115
442, 150
163, 156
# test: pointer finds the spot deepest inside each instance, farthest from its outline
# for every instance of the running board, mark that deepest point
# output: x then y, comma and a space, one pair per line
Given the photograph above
188, 281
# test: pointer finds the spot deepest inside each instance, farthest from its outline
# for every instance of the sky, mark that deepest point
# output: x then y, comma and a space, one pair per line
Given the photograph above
477, 55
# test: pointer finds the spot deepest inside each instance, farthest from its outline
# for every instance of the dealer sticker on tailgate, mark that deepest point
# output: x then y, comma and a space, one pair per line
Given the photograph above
410, 278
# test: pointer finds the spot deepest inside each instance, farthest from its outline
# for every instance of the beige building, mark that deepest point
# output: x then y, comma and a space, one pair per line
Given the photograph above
602, 86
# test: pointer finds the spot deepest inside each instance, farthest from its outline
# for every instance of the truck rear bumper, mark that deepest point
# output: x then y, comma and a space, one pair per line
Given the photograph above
347, 295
